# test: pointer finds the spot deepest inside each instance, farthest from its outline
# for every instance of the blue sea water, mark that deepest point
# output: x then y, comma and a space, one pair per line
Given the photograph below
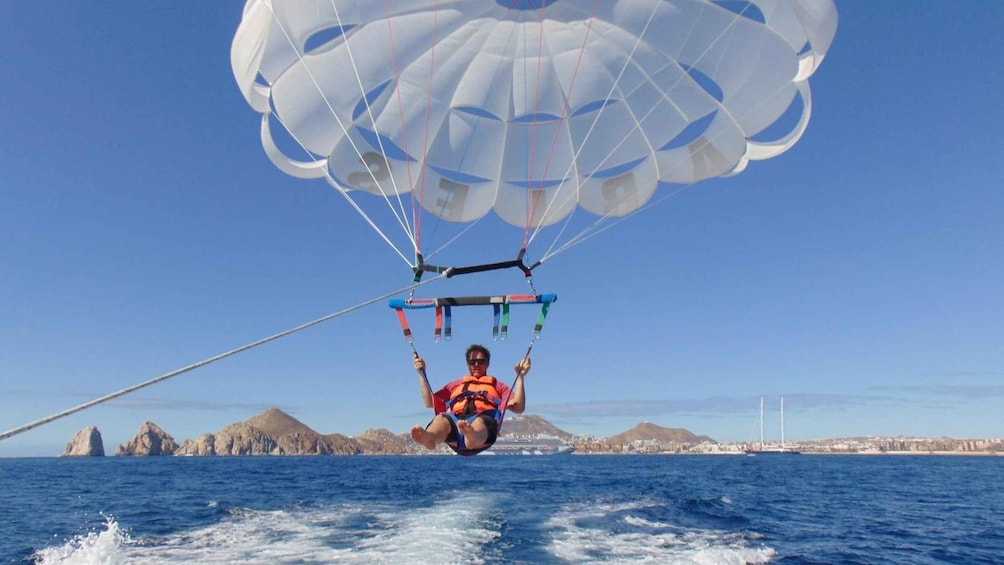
557, 509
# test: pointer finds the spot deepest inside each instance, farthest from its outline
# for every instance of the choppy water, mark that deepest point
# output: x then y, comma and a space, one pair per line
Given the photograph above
561, 509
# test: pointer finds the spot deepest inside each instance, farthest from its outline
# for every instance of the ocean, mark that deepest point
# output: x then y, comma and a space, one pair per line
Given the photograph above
534, 509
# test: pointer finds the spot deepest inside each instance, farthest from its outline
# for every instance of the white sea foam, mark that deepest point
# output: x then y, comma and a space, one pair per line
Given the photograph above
577, 537
453, 531
92, 548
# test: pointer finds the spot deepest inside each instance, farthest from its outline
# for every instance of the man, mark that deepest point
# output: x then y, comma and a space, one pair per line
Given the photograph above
468, 409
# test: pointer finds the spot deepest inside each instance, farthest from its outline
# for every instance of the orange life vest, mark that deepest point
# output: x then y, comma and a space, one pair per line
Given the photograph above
479, 390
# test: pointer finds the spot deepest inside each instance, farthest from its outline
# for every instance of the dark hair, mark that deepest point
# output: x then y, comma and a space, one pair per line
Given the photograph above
476, 349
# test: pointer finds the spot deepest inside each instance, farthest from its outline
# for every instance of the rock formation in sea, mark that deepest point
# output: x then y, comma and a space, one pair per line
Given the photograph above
274, 432
151, 440
87, 443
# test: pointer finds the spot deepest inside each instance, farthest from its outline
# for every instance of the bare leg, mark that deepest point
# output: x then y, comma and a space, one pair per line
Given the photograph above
475, 435
434, 434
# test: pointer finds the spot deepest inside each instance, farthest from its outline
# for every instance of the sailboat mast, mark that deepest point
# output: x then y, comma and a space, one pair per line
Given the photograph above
761, 423
782, 423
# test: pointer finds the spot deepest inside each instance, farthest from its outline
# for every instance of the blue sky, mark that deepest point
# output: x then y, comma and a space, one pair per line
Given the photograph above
142, 229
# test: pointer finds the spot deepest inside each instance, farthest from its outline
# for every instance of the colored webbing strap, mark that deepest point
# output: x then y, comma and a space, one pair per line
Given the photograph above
417, 303
540, 319
500, 306
505, 319
448, 326
401, 317
444, 323
495, 321
439, 322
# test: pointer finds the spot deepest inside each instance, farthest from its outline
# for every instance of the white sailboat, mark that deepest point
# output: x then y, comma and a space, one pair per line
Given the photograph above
779, 449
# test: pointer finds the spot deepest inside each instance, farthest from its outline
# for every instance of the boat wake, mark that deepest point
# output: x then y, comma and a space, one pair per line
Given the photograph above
463, 529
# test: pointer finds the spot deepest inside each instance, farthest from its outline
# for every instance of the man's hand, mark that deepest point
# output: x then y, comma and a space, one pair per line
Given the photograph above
523, 367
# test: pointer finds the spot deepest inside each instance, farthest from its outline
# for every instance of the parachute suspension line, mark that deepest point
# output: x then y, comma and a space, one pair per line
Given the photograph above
592, 126
422, 266
401, 221
311, 156
344, 194
534, 131
164, 377
368, 220
454, 238
415, 213
554, 141
537, 328
463, 157
589, 231
428, 120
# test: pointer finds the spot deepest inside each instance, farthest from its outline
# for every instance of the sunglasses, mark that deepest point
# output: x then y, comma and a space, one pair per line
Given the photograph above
477, 362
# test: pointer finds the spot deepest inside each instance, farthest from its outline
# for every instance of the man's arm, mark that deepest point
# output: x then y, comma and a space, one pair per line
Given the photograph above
423, 381
517, 400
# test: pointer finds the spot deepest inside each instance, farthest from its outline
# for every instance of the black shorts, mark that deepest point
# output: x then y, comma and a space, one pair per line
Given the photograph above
491, 424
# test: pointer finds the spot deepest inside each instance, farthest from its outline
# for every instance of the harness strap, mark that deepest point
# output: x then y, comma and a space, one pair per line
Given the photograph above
403, 318
505, 320
495, 323
540, 319
439, 322
448, 325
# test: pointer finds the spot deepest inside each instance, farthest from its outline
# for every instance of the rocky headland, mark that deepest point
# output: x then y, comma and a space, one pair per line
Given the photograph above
87, 443
149, 441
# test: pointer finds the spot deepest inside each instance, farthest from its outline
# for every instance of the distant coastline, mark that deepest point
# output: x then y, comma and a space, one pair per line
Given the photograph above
275, 433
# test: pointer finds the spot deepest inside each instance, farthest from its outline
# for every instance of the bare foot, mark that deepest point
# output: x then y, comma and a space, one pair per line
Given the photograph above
469, 433
423, 437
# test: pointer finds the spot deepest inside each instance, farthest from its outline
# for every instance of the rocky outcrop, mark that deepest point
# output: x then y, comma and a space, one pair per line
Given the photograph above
272, 432
204, 445
151, 440
87, 443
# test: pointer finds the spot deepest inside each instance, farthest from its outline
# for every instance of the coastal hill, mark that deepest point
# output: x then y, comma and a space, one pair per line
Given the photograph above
275, 432
650, 432
525, 425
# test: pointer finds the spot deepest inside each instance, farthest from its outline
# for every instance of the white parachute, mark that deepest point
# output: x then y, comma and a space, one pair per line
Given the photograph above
527, 108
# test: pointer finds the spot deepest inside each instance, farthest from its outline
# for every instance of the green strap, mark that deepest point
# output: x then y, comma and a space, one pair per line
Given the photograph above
505, 320
543, 316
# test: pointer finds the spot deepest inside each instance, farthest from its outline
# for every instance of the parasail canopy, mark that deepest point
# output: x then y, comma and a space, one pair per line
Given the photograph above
530, 109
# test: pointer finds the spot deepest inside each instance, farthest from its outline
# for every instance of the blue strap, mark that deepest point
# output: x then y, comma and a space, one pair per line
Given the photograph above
495, 324
448, 323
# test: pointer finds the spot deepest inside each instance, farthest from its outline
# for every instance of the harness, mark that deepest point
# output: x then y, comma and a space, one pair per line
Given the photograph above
473, 397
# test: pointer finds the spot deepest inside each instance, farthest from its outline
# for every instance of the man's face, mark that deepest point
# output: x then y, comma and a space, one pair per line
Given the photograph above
477, 364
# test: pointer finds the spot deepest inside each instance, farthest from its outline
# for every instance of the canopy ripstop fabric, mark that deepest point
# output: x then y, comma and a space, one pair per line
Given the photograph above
528, 108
